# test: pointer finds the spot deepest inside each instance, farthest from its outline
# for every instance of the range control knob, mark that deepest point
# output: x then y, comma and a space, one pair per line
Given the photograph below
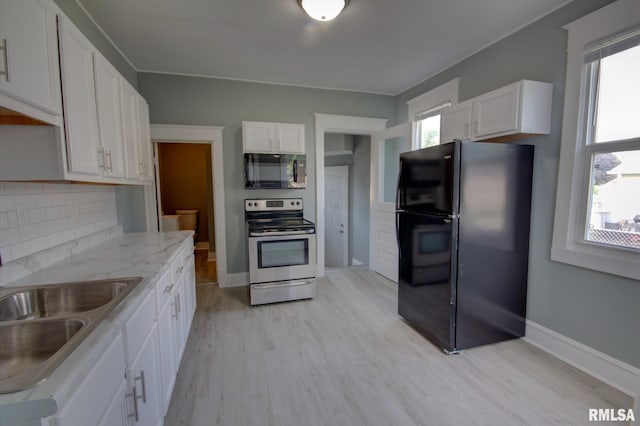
298, 203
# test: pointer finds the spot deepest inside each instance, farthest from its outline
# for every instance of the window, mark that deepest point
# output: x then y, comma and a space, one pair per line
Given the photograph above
612, 141
428, 127
424, 113
597, 223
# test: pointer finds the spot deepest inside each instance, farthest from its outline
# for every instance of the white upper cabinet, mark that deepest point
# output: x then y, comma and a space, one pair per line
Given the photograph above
29, 72
520, 108
272, 138
107, 81
455, 122
496, 112
80, 117
129, 113
144, 141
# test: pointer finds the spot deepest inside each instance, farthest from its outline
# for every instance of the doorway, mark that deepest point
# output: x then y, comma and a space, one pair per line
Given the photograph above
347, 209
185, 188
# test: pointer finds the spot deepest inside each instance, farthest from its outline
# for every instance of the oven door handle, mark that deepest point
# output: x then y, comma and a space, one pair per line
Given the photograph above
281, 284
280, 233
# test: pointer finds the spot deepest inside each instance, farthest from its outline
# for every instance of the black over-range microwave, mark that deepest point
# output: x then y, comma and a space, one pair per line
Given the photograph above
275, 171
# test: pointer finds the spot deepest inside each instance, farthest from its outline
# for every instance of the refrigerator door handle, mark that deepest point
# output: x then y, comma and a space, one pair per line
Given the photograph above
398, 236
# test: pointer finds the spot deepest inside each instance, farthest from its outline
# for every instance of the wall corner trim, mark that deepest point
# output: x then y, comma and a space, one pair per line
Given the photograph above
620, 375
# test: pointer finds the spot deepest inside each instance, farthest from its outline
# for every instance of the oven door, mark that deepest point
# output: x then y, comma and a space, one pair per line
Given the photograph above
282, 257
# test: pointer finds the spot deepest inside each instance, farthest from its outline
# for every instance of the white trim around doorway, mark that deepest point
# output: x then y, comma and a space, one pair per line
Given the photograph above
330, 123
206, 135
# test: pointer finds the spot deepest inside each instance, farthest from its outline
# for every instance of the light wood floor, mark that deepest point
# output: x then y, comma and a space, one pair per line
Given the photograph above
347, 358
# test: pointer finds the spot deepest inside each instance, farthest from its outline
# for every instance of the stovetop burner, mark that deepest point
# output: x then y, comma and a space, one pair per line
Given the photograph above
279, 215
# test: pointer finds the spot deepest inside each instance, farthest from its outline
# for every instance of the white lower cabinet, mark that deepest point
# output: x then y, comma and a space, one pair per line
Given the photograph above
117, 413
143, 378
94, 395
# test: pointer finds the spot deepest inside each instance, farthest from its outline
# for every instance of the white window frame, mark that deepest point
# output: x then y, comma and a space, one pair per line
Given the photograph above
569, 244
429, 104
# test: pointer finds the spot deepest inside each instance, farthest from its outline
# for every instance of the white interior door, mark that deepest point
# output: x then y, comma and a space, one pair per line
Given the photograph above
336, 213
386, 147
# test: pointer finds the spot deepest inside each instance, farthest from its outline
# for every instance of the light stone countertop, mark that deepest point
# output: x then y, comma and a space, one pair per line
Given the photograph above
145, 255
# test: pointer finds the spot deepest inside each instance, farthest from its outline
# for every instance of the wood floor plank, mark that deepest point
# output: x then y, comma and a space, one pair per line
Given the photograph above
347, 358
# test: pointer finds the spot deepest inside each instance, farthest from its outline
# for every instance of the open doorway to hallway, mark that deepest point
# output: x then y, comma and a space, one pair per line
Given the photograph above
185, 196
347, 174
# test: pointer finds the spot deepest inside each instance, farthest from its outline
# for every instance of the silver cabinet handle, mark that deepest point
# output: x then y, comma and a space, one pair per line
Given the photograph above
174, 308
167, 289
101, 158
179, 303
180, 269
144, 386
6, 60
108, 164
134, 395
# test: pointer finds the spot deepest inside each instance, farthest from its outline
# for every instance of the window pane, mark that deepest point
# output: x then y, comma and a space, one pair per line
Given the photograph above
614, 216
429, 129
618, 109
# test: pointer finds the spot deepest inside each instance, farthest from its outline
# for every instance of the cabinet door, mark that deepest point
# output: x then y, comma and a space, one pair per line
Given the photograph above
144, 140
191, 289
258, 137
143, 377
168, 352
455, 122
117, 414
130, 126
496, 112
29, 55
290, 138
107, 81
78, 89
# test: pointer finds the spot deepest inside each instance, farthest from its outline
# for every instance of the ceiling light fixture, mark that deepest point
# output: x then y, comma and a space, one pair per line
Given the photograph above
323, 10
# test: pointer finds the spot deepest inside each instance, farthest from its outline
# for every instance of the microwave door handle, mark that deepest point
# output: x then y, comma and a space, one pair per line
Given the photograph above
295, 171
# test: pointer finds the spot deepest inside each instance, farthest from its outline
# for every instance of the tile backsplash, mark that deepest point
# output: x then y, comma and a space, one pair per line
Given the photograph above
37, 216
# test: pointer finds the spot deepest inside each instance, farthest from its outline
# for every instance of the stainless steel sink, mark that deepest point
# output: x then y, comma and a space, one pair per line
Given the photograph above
41, 325
27, 345
58, 300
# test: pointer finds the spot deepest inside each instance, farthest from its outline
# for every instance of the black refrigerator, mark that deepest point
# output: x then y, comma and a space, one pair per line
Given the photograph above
462, 222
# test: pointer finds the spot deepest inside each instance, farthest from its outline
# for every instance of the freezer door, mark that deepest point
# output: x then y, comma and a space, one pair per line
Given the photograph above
427, 180
426, 284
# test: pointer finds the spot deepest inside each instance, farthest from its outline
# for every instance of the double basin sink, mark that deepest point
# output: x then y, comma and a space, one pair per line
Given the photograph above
41, 325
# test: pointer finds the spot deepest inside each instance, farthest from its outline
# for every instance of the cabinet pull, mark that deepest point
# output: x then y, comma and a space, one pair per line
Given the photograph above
101, 159
134, 395
180, 269
107, 160
174, 308
167, 289
144, 386
179, 303
6, 60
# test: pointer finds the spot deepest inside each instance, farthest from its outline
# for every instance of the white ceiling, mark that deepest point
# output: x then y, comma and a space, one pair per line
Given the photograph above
375, 46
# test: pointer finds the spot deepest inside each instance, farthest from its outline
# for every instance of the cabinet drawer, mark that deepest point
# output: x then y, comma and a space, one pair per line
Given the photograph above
177, 267
164, 290
138, 327
93, 396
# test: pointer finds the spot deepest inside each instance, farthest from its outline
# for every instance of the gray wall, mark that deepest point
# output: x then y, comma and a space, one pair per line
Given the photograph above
97, 38
596, 309
359, 183
217, 102
360, 187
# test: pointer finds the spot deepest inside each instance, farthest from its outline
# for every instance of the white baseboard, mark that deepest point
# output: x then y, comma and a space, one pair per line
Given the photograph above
603, 367
240, 279
356, 262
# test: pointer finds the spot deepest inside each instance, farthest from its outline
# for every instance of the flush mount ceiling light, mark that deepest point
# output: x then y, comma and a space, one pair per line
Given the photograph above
323, 10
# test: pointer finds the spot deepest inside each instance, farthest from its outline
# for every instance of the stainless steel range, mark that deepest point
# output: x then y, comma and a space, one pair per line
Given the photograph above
282, 250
